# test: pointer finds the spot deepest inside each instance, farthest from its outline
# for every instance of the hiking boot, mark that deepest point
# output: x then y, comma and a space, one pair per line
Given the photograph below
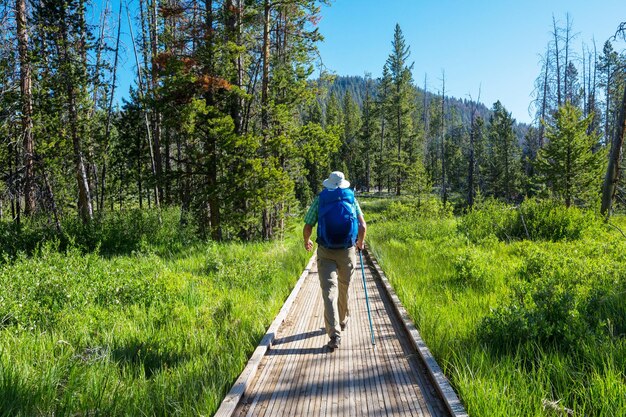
344, 323
334, 342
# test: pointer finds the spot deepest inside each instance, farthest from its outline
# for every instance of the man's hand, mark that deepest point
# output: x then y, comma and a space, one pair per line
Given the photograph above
360, 240
306, 234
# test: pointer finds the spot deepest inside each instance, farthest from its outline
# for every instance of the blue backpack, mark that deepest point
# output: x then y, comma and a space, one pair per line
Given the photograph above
338, 225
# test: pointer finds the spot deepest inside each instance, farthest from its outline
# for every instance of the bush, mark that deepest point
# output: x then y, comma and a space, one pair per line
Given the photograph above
533, 219
487, 218
51, 284
559, 299
551, 220
431, 207
472, 269
117, 233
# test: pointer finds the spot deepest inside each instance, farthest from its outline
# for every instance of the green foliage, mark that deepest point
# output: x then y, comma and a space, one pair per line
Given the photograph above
517, 325
400, 107
473, 269
569, 163
504, 170
119, 233
173, 329
560, 299
533, 219
409, 209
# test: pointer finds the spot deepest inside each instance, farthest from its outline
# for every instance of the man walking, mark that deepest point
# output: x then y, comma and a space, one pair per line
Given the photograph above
341, 230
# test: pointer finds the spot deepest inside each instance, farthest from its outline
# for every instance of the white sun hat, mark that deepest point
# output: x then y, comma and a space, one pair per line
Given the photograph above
336, 180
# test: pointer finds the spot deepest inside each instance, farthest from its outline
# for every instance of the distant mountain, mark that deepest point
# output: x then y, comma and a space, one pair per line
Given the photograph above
463, 107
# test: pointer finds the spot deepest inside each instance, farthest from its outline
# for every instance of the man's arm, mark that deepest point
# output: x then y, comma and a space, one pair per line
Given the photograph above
306, 234
309, 221
360, 240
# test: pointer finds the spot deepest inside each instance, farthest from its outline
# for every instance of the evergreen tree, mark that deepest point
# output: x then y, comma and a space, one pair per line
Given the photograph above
382, 111
401, 103
350, 139
504, 155
609, 69
65, 41
567, 162
476, 153
369, 127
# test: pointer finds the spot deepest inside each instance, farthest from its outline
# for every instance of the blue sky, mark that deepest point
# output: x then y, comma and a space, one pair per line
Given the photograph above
491, 45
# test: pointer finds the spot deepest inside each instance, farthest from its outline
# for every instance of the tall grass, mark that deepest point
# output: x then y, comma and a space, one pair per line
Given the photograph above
162, 328
526, 320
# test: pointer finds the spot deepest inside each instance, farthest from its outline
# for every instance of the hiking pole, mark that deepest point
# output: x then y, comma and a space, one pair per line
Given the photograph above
367, 301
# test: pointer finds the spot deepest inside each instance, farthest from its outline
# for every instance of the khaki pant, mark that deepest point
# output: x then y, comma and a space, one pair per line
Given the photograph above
335, 268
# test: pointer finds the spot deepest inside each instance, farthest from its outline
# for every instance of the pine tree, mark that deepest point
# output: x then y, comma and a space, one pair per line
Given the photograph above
65, 41
402, 102
504, 155
369, 127
382, 111
567, 162
350, 138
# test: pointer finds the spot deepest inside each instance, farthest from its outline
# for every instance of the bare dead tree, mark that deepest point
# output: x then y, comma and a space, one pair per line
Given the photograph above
107, 127
444, 191
611, 178
557, 53
27, 106
146, 119
613, 169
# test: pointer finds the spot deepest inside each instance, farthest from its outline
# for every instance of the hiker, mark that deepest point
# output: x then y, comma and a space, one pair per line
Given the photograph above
340, 232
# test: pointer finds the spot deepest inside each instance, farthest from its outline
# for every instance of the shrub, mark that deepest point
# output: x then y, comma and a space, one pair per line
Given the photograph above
551, 220
117, 233
560, 298
487, 218
472, 269
430, 207
533, 219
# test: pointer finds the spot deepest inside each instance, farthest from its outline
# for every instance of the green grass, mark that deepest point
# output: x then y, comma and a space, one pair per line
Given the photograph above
142, 329
521, 327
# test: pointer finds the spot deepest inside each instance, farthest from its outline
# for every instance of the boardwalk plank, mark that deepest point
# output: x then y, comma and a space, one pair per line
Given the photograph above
299, 376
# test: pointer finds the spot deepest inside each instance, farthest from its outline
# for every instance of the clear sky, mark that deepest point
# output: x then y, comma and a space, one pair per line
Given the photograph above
492, 45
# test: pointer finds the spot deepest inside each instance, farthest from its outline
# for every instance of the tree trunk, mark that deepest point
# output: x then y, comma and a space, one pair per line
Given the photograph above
613, 169
470, 170
566, 89
558, 67
381, 158
139, 179
84, 198
265, 77
399, 127
145, 114
444, 191
233, 11
53, 204
27, 107
213, 202
107, 129
156, 116
544, 101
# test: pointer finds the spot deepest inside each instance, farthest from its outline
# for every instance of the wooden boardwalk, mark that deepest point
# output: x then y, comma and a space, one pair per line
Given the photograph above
293, 373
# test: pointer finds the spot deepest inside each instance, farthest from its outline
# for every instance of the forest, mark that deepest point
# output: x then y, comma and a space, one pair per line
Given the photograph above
229, 123
115, 214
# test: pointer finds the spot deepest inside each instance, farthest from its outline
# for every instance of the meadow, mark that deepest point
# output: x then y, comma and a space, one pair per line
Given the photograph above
524, 308
132, 317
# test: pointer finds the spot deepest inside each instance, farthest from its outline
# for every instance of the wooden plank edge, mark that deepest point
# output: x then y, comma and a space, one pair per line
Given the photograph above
232, 399
443, 386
